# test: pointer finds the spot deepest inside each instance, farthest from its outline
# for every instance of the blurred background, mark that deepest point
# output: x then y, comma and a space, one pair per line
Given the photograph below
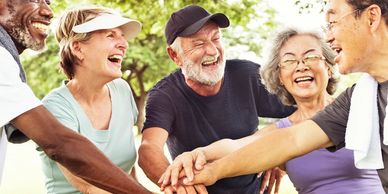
252, 24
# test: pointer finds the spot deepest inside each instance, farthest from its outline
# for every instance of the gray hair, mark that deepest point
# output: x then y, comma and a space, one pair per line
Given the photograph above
270, 71
177, 45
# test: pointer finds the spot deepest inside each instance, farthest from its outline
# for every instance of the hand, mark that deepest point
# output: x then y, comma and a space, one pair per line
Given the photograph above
184, 161
272, 176
207, 176
186, 189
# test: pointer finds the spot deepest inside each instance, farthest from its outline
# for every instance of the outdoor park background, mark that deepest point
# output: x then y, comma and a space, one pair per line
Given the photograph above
252, 24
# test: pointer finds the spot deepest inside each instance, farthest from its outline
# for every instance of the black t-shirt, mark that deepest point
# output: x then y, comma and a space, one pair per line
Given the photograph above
333, 120
194, 121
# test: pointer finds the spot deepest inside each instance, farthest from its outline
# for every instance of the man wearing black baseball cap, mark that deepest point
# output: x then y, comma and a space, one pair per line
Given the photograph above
207, 99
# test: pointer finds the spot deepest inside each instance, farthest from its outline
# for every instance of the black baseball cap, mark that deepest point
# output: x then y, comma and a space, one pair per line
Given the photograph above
189, 20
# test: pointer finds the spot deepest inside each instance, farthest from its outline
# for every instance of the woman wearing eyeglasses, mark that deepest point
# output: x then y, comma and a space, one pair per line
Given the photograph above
301, 72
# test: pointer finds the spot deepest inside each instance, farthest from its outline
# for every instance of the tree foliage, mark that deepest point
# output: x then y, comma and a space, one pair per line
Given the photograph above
146, 60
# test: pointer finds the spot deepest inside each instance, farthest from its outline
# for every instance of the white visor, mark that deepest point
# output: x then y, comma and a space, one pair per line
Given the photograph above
131, 28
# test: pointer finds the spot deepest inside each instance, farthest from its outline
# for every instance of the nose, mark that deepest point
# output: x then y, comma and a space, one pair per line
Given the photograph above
211, 49
45, 10
301, 67
122, 43
329, 38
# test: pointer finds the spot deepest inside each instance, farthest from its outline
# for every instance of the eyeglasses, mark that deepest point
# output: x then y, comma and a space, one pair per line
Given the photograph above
48, 2
329, 25
309, 60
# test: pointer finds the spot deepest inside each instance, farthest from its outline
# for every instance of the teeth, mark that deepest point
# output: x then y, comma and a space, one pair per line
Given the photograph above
209, 61
40, 26
303, 79
117, 57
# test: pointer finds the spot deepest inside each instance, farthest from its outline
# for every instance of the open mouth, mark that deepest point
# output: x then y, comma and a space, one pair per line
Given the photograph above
115, 59
43, 28
304, 79
210, 62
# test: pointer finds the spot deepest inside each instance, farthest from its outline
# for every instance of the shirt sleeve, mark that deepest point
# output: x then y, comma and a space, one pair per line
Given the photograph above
333, 119
159, 111
16, 97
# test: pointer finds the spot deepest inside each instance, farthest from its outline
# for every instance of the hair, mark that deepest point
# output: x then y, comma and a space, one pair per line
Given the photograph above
66, 37
270, 71
177, 45
360, 5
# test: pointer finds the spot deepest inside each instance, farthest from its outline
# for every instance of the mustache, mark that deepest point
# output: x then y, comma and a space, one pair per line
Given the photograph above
209, 58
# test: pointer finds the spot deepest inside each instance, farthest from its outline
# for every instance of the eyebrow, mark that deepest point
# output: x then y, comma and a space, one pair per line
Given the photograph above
304, 53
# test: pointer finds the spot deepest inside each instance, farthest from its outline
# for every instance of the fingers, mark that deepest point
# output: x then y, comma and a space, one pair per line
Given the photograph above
264, 181
200, 160
190, 190
201, 189
175, 169
272, 180
188, 168
168, 190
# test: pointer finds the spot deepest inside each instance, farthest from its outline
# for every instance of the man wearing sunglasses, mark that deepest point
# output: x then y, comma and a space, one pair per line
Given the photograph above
25, 24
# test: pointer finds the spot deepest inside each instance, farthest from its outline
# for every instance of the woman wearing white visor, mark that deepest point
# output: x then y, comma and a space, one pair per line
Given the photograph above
94, 101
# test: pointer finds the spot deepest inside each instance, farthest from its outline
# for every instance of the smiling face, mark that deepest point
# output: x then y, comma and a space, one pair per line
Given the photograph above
27, 22
304, 82
202, 57
101, 56
348, 37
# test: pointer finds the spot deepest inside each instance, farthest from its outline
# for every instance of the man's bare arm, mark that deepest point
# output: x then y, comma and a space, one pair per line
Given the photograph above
277, 145
151, 150
74, 152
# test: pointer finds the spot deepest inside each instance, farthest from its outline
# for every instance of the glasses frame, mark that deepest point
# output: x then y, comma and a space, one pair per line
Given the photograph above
298, 61
328, 27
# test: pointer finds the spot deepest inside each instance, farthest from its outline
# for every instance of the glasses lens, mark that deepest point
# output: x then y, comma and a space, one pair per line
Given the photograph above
311, 60
289, 63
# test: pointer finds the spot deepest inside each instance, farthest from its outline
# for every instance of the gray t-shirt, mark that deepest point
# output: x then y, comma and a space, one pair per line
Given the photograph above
333, 120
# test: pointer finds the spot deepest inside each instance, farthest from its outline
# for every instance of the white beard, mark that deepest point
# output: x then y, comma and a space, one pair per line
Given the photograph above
197, 73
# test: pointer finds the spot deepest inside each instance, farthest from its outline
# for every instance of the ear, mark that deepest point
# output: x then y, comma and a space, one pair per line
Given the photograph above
174, 56
76, 49
374, 17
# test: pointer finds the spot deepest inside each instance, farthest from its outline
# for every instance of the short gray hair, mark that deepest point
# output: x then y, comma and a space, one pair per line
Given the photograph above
270, 71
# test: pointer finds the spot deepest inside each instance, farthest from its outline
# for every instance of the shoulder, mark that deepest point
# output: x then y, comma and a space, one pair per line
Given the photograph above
241, 63
57, 97
242, 66
169, 83
8, 63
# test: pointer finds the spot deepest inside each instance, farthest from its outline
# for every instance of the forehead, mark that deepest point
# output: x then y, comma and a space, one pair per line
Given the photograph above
334, 7
300, 44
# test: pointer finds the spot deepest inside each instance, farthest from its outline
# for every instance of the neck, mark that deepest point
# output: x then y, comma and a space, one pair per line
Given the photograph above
87, 91
379, 60
203, 89
307, 108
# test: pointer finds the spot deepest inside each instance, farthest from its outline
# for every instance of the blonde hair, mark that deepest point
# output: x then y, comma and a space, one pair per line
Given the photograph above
270, 71
66, 37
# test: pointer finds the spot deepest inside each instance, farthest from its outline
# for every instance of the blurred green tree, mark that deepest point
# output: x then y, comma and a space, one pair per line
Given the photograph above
146, 60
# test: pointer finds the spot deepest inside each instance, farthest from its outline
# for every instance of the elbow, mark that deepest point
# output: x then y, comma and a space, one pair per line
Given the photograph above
142, 155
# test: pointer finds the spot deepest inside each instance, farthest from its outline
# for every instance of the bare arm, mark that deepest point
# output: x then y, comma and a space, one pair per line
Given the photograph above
87, 162
81, 185
304, 137
151, 150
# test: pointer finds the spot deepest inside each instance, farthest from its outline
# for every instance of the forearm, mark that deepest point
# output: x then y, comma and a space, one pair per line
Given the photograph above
153, 162
75, 152
224, 147
263, 154
79, 184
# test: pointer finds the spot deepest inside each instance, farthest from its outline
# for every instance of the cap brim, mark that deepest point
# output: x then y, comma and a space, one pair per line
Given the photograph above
220, 19
131, 28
